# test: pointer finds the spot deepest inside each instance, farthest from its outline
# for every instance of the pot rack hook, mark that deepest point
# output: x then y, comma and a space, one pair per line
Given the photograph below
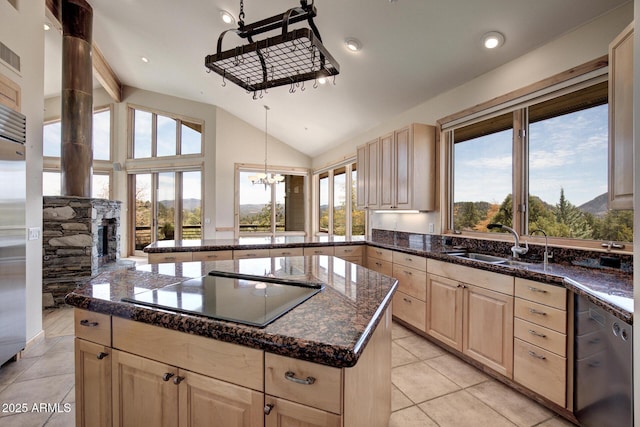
315, 83
302, 88
224, 75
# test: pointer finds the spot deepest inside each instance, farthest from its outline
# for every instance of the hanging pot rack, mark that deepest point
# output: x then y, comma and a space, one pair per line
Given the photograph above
289, 58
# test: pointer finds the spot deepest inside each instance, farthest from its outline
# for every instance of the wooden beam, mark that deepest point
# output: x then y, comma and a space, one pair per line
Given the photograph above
102, 71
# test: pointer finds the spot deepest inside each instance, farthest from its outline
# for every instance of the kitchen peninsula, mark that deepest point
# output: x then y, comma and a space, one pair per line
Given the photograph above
327, 361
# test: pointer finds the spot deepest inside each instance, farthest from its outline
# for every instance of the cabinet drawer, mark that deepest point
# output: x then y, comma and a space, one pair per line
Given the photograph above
95, 327
348, 251
170, 257
411, 281
383, 267
286, 252
251, 253
379, 253
212, 255
285, 413
542, 315
327, 250
540, 336
554, 296
353, 259
304, 382
540, 370
410, 309
413, 261
228, 362
485, 279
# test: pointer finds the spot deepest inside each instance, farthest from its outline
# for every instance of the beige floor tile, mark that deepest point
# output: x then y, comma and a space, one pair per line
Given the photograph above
40, 348
420, 382
398, 399
64, 344
462, 409
399, 331
12, 370
42, 390
420, 347
556, 421
51, 364
29, 419
65, 418
400, 356
411, 417
521, 410
457, 371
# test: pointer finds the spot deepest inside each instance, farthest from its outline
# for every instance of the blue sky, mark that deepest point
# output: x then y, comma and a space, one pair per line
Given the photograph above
567, 152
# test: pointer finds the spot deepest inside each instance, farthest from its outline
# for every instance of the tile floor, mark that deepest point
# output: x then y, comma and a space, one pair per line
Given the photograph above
430, 387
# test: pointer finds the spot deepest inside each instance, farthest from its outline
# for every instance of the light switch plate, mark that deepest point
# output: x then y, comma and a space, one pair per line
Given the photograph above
34, 233
432, 228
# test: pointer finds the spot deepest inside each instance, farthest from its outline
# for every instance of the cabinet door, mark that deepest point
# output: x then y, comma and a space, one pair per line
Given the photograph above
362, 177
205, 402
488, 328
144, 393
403, 153
373, 172
621, 121
283, 413
93, 384
444, 310
387, 172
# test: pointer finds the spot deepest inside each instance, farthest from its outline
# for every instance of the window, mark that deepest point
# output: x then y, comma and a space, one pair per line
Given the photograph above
164, 135
542, 165
100, 185
336, 209
272, 209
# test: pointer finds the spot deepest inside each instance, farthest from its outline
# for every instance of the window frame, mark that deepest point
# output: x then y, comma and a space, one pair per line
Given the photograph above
517, 102
251, 168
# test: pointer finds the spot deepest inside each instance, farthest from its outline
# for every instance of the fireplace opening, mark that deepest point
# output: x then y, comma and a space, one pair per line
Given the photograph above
106, 242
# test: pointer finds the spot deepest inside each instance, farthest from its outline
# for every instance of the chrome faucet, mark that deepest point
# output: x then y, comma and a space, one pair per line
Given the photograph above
546, 255
516, 249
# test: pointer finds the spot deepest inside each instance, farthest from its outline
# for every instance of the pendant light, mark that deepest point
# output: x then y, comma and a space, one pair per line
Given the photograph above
264, 177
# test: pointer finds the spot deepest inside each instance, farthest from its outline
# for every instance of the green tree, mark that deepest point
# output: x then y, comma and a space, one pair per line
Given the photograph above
575, 222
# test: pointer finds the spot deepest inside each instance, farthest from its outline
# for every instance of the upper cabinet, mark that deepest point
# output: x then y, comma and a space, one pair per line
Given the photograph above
621, 120
399, 170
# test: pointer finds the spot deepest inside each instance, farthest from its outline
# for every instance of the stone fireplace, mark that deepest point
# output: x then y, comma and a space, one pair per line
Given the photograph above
81, 237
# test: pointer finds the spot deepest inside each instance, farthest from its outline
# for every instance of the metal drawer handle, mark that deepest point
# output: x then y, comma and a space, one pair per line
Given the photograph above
102, 355
167, 376
537, 356
408, 259
537, 334
177, 380
291, 376
348, 250
408, 273
267, 408
89, 324
169, 257
532, 289
534, 311
379, 264
286, 253
406, 300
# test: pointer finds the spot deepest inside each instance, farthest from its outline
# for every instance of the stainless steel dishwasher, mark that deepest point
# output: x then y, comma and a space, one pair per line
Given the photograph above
603, 381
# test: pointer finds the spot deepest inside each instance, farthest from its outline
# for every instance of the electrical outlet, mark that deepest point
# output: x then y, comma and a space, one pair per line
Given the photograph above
432, 227
34, 233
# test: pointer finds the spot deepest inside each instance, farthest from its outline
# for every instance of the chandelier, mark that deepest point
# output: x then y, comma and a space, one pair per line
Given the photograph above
264, 177
288, 58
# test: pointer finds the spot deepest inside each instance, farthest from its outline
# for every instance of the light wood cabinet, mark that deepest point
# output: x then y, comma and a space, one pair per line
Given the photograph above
368, 166
283, 413
472, 313
409, 301
380, 260
361, 176
286, 252
621, 120
322, 250
353, 254
540, 339
155, 258
212, 255
93, 384
250, 253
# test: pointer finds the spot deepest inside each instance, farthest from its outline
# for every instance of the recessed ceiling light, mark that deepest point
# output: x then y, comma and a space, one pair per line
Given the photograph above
352, 44
492, 40
46, 27
144, 59
226, 17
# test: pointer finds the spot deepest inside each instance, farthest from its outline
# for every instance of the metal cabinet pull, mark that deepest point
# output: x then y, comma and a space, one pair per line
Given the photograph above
348, 250
267, 408
177, 380
167, 376
379, 264
537, 334
291, 376
87, 323
406, 300
408, 273
534, 311
102, 355
169, 258
532, 289
408, 259
537, 356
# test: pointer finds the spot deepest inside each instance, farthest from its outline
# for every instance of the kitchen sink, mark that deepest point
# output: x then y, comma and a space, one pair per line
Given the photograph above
481, 257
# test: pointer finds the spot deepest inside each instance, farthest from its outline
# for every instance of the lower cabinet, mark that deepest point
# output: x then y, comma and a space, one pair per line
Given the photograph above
93, 384
283, 413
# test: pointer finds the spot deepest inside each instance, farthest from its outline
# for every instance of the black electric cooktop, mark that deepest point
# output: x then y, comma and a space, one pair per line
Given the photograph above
255, 301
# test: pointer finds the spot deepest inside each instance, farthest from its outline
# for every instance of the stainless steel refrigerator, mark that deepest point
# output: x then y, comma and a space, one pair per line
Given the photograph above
13, 234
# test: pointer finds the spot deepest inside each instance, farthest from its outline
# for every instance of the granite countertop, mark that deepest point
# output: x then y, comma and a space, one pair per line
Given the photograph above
266, 242
331, 328
609, 288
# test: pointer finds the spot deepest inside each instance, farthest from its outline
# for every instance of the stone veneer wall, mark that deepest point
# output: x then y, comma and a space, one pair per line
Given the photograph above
70, 228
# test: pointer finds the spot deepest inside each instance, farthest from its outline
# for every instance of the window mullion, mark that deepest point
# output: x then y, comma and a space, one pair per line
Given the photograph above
520, 205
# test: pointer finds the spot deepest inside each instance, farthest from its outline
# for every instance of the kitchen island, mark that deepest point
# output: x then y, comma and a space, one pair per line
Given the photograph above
327, 361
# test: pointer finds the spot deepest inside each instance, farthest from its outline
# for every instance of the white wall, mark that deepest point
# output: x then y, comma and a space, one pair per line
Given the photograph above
22, 32
584, 44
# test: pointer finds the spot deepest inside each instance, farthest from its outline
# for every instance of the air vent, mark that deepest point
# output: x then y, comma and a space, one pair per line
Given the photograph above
13, 125
9, 56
